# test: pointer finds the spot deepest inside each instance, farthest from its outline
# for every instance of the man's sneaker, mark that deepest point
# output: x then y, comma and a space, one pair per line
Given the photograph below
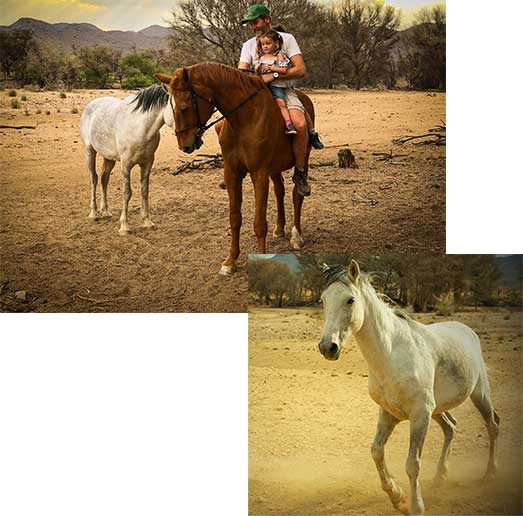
314, 139
290, 129
300, 180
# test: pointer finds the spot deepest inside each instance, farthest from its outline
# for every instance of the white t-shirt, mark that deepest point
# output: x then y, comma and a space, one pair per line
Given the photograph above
290, 49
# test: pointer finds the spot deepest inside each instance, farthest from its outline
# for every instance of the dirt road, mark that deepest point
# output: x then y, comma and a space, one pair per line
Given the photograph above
67, 264
311, 423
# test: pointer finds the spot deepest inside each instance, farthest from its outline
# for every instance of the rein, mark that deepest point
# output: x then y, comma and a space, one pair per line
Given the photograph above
201, 127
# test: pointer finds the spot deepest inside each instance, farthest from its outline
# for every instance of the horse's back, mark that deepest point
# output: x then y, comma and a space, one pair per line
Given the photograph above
97, 126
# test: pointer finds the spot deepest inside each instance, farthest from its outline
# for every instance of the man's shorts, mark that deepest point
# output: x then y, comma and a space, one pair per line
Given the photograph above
293, 101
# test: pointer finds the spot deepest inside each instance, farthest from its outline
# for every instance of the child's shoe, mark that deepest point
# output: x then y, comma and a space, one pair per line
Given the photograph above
289, 129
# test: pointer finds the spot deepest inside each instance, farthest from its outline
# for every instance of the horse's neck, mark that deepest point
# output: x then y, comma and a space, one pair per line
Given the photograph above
158, 122
377, 333
228, 92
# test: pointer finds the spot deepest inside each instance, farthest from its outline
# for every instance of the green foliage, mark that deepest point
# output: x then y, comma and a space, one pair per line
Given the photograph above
23, 98
12, 93
62, 95
15, 104
136, 70
98, 65
271, 281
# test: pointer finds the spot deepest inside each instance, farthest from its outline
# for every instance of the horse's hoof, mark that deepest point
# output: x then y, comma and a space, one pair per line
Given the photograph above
148, 224
227, 270
403, 506
93, 216
123, 232
296, 239
106, 215
489, 475
278, 233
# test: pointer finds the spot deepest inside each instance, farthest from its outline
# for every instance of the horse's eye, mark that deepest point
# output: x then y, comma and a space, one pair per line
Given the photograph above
350, 301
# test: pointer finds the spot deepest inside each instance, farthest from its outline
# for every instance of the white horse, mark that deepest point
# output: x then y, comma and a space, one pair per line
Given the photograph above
125, 130
416, 372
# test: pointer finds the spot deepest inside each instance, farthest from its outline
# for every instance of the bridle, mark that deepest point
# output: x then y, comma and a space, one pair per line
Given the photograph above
200, 126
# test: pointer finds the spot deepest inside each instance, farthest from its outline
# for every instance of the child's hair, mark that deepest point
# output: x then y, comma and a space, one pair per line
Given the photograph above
271, 34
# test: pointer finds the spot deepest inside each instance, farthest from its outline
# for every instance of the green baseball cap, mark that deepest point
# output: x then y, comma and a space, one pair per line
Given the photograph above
255, 11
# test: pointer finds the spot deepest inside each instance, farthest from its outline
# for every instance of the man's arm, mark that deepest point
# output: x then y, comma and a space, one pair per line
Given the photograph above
244, 66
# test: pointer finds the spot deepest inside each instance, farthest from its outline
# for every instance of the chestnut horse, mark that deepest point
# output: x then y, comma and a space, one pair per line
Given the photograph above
252, 140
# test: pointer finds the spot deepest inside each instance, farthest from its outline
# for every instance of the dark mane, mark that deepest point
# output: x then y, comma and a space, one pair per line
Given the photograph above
223, 72
150, 98
335, 273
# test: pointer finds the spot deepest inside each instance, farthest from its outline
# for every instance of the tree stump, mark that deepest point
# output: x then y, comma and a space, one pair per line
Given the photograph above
346, 159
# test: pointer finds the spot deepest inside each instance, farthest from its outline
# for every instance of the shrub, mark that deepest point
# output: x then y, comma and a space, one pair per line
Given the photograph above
38, 111
12, 93
26, 112
74, 110
62, 95
445, 304
48, 112
23, 98
15, 104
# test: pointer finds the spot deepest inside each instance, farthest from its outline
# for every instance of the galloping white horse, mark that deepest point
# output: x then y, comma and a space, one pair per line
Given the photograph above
125, 130
416, 372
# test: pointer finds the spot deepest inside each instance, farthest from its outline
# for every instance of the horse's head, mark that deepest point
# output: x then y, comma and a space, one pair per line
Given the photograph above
191, 109
342, 308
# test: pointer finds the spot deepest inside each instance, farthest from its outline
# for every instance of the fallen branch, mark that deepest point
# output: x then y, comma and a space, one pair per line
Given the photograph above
211, 161
435, 136
17, 126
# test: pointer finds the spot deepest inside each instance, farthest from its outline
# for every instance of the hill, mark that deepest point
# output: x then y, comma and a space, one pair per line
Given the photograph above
69, 35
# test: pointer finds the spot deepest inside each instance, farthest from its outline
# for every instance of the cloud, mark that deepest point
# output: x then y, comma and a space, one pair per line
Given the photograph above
52, 11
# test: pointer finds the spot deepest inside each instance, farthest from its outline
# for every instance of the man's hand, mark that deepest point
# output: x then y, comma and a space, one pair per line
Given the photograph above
267, 78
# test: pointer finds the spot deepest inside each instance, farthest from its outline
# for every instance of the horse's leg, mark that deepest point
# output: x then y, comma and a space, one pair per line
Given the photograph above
261, 194
90, 158
279, 192
297, 200
419, 423
145, 171
481, 399
296, 238
448, 425
386, 424
233, 180
106, 174
127, 192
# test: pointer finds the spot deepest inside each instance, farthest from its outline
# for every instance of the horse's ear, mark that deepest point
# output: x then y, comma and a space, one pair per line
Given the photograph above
166, 79
354, 271
185, 75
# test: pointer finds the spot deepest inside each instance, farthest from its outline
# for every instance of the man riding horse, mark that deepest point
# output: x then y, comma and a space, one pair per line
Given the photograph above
259, 20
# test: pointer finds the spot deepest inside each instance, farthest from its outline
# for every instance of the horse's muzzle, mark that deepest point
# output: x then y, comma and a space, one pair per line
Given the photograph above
330, 350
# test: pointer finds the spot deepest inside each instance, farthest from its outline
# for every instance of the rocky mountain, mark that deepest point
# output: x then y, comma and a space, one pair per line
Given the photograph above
69, 35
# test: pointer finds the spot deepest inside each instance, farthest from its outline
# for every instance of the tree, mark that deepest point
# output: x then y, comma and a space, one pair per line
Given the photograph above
14, 48
483, 275
268, 278
136, 70
424, 50
98, 64
369, 33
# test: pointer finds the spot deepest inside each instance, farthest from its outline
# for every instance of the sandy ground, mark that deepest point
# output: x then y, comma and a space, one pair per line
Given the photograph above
311, 423
67, 264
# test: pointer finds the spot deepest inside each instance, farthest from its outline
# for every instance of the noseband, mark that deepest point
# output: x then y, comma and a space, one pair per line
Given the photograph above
200, 126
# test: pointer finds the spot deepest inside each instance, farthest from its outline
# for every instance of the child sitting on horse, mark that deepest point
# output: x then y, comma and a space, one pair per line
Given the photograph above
272, 60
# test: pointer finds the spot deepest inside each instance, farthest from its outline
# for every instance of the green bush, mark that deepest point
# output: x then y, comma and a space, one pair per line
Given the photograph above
12, 93
138, 81
15, 104
62, 95
23, 98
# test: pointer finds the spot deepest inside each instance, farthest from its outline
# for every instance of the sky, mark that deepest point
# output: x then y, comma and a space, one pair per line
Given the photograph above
131, 15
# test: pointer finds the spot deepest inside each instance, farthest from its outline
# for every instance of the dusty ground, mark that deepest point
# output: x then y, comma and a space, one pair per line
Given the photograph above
66, 264
311, 423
